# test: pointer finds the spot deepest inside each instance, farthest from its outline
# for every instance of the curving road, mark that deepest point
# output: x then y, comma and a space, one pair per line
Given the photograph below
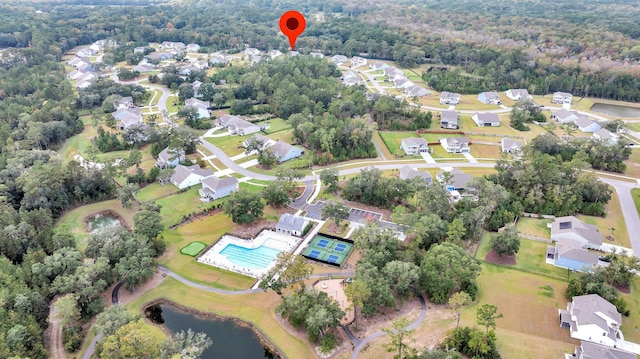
629, 211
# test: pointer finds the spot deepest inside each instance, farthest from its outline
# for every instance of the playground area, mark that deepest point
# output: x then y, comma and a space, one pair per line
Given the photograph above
335, 290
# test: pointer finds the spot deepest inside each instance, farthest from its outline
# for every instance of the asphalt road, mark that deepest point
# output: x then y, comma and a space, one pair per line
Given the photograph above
629, 211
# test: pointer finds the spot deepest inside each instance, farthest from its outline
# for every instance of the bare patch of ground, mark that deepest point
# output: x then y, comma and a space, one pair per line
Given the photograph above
493, 257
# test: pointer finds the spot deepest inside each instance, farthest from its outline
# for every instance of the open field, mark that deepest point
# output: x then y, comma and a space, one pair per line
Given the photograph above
231, 145
383, 147
75, 218
440, 152
633, 164
534, 227
207, 230
154, 191
615, 219
257, 309
393, 140
276, 124
175, 207
485, 151
471, 102
283, 135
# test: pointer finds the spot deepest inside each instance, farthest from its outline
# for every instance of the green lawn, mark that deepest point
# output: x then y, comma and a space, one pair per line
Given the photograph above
613, 219
534, 227
283, 135
250, 187
231, 145
435, 137
275, 125
175, 207
393, 140
154, 191
440, 152
193, 249
636, 198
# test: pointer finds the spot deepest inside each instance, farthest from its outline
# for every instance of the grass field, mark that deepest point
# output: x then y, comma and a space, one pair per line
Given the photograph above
393, 140
636, 198
633, 164
614, 218
193, 249
175, 207
534, 227
283, 135
440, 152
383, 146
276, 124
257, 309
485, 151
207, 231
154, 191
75, 218
231, 145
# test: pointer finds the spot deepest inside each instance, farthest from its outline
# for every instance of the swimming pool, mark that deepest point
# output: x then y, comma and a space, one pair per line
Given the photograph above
253, 258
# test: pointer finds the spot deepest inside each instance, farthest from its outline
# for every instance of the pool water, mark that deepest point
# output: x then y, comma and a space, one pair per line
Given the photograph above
251, 258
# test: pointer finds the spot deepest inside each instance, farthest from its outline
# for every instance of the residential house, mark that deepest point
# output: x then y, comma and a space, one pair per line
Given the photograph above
593, 319
350, 78
275, 53
85, 52
185, 177
562, 98
568, 253
142, 68
293, 53
318, 55
196, 87
449, 119
285, 152
416, 91
414, 145
219, 59
584, 124
606, 136
407, 172
491, 97
139, 49
75, 61
187, 70
511, 146
358, 61
263, 140
75, 74
455, 144
170, 158
201, 64
127, 117
159, 56
573, 228
192, 47
238, 126
84, 67
588, 350
124, 102
214, 188
338, 59
565, 116
201, 106
291, 225
449, 98
251, 51
378, 66
458, 180
486, 119
255, 59
168, 45
83, 84
518, 94
404, 83
393, 73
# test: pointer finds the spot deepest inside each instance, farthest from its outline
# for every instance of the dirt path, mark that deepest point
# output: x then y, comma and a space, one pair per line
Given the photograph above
55, 342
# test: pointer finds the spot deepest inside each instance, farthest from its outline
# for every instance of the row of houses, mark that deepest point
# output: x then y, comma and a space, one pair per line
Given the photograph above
82, 73
415, 145
586, 125
400, 80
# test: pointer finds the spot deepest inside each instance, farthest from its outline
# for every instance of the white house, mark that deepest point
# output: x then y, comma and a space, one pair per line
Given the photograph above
606, 136
562, 98
214, 188
393, 73
358, 61
378, 66
486, 119
201, 106
510, 146
565, 116
275, 53
593, 319
127, 117
184, 177
291, 225
449, 98
318, 55
238, 126
338, 59
571, 227
403, 83
192, 47
455, 144
416, 91
414, 145
518, 94
490, 97
584, 124
264, 141
350, 78
588, 350
449, 119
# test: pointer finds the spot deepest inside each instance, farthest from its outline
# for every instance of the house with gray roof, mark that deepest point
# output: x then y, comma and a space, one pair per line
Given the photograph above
449, 98
414, 145
593, 319
606, 136
291, 225
416, 91
284, 151
350, 78
588, 350
184, 177
264, 141
565, 116
458, 180
486, 119
127, 117
455, 144
584, 124
511, 146
407, 172
518, 94
338, 59
318, 55
124, 102
214, 188
146, 67
568, 253
170, 158
403, 82
490, 97
393, 73
562, 98
449, 119
573, 228
378, 66
201, 106
237, 126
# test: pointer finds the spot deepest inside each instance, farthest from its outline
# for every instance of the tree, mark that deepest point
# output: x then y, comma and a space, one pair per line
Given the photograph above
267, 157
112, 319
335, 210
126, 194
244, 207
135, 158
487, 315
290, 270
164, 176
148, 224
329, 178
312, 310
456, 231
289, 174
185, 345
357, 293
507, 242
276, 193
621, 268
132, 340
400, 335
457, 301
447, 268
67, 312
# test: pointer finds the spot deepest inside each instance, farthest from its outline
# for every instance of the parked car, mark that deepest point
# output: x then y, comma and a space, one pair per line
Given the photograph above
605, 258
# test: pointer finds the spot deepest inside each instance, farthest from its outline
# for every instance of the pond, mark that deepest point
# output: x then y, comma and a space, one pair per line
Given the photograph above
102, 220
230, 340
616, 110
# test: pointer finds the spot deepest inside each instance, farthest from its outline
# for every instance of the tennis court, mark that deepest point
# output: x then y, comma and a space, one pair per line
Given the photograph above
328, 250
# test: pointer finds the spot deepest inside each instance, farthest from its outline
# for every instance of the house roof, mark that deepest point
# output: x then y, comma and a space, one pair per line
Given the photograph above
392, 71
379, 65
316, 54
290, 222
182, 172
339, 58
403, 81
590, 309
572, 249
415, 142
196, 84
487, 117
449, 95
509, 144
280, 149
583, 122
237, 122
449, 116
216, 183
565, 115
195, 103
417, 91
490, 95
522, 92
459, 178
166, 156
125, 100
260, 138
589, 350
604, 134
563, 94
571, 224
456, 140
407, 172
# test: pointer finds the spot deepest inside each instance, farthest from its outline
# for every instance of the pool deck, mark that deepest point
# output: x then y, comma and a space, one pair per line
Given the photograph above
335, 291
276, 240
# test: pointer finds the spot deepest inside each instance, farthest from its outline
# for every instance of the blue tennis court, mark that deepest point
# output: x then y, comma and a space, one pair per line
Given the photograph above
332, 258
322, 243
340, 247
314, 254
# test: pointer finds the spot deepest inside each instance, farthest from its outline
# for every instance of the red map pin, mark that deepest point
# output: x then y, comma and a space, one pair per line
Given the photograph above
292, 24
